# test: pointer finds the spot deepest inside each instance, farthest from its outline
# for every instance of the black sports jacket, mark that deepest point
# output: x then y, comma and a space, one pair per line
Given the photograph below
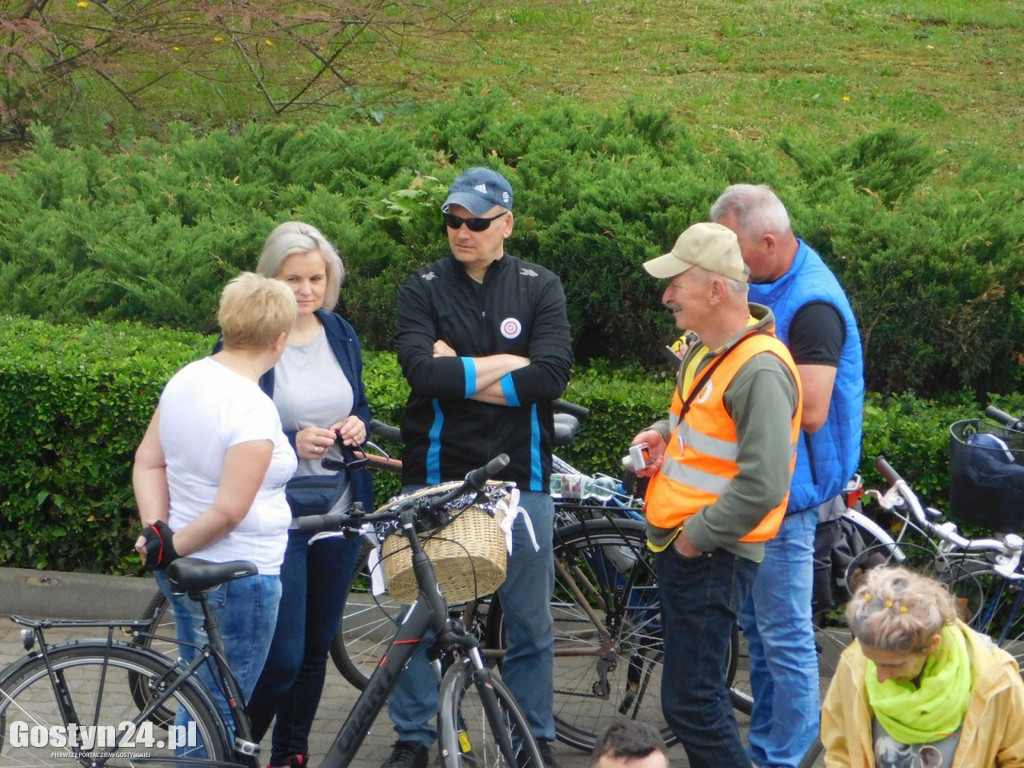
519, 309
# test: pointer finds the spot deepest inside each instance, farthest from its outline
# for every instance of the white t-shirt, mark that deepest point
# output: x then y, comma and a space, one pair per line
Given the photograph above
205, 409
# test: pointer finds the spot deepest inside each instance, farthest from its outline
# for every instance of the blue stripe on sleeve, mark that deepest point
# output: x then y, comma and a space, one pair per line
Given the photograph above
469, 370
508, 389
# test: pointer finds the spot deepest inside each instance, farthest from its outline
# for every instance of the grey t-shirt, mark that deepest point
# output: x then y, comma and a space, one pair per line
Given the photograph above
310, 390
890, 753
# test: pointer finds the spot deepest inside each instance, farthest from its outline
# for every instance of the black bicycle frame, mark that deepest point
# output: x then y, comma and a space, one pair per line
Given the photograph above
418, 619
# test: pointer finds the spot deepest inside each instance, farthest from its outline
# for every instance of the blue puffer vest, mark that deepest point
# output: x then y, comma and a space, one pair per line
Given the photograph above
828, 458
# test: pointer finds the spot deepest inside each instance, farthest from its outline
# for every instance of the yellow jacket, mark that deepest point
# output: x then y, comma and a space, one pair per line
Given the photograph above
992, 734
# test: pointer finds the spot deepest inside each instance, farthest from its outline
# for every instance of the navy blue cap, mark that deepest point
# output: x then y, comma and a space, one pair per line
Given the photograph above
478, 190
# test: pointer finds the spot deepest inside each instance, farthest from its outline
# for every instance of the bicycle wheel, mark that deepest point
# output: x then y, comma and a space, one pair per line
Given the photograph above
90, 687
159, 638
470, 729
367, 625
369, 622
993, 605
607, 630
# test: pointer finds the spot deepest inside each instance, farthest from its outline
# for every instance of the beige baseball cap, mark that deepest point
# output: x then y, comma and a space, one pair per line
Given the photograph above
706, 245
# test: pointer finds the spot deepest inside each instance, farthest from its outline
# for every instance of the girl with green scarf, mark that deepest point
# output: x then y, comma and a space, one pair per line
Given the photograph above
919, 688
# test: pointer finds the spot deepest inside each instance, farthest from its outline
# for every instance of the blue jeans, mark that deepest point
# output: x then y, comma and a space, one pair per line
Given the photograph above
776, 621
700, 599
528, 665
246, 610
315, 581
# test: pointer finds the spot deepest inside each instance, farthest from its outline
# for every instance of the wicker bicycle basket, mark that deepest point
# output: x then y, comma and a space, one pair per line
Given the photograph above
986, 475
468, 554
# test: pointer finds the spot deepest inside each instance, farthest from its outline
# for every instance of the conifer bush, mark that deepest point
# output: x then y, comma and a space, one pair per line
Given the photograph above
933, 270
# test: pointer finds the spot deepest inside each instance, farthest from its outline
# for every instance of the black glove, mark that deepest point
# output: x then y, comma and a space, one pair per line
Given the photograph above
159, 546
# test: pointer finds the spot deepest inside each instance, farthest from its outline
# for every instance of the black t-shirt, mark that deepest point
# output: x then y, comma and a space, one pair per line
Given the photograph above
817, 335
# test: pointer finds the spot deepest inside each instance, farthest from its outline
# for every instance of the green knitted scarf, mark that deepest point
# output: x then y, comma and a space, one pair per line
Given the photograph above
935, 708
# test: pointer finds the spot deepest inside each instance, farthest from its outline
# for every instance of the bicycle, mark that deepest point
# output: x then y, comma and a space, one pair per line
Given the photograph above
984, 573
607, 631
81, 689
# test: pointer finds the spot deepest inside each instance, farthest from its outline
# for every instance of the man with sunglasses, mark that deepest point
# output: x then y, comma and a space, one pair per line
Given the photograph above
483, 339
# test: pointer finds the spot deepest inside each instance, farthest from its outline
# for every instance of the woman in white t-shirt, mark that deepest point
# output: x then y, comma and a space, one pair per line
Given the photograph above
209, 478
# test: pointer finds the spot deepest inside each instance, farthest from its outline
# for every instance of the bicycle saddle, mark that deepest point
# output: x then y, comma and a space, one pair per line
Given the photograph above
188, 574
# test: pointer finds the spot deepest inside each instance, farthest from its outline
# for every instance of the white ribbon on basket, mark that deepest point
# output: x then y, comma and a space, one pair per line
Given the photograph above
509, 505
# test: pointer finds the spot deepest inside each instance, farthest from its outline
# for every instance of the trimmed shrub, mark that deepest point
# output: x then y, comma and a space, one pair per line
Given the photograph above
933, 270
76, 400
74, 404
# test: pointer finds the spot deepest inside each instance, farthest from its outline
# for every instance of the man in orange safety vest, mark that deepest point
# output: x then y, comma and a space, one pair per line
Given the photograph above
720, 472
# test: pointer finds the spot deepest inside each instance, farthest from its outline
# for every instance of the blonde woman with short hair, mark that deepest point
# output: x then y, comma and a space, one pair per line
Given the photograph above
209, 478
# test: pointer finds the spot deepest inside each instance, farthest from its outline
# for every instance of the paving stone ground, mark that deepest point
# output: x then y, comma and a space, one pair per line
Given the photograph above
39, 593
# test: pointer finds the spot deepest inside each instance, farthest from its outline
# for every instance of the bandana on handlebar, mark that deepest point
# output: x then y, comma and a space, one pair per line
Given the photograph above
434, 520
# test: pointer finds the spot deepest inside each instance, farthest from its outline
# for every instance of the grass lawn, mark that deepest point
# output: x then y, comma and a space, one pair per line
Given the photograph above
821, 71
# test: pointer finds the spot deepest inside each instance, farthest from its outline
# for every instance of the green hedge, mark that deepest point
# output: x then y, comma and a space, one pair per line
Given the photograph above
75, 401
931, 255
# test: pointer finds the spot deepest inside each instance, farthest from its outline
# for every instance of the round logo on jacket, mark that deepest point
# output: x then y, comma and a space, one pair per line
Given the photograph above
511, 328
705, 392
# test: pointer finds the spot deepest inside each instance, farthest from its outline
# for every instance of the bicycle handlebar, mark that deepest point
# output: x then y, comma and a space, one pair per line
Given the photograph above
475, 480
900, 493
886, 470
1004, 418
387, 431
564, 406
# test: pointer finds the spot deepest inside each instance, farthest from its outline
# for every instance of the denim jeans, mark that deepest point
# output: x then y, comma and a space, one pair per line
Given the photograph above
528, 665
700, 599
246, 610
776, 621
315, 581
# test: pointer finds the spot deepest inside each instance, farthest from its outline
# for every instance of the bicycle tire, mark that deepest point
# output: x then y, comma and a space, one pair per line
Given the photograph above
94, 676
367, 625
159, 638
993, 606
814, 756
467, 735
610, 669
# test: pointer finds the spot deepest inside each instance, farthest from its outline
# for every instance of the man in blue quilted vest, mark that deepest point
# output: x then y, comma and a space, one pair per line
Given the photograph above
814, 319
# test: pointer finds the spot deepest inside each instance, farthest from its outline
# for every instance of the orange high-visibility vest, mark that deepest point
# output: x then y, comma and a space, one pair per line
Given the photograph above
700, 458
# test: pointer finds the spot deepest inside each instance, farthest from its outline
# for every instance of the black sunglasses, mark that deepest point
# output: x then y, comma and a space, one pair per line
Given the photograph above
474, 225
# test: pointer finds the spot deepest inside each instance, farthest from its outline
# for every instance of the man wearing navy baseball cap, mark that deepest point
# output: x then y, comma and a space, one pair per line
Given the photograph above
478, 190
483, 340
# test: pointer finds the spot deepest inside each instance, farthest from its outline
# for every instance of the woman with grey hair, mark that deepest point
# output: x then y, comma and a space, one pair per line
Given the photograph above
318, 389
919, 687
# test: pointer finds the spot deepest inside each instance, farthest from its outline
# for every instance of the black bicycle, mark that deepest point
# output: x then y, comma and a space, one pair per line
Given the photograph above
97, 702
